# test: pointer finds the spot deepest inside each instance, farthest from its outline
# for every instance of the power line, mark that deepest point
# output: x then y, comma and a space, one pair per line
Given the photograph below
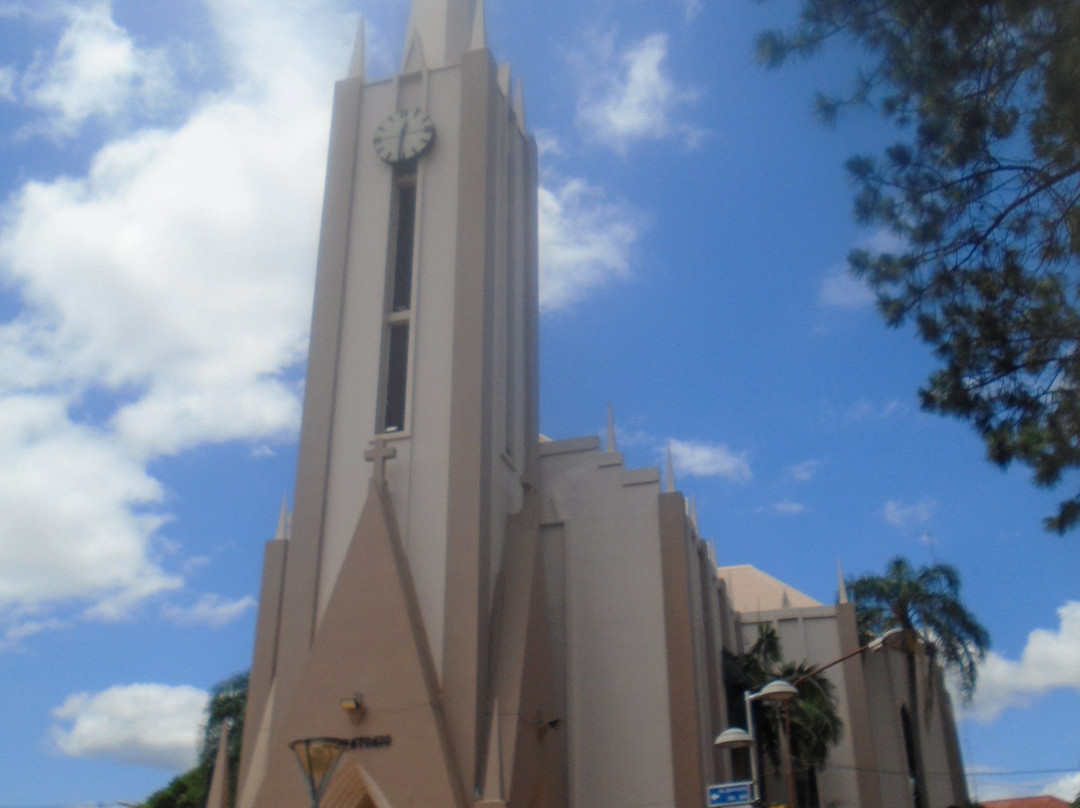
1029, 771
1016, 773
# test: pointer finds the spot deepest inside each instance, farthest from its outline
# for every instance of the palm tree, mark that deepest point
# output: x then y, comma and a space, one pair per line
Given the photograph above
924, 604
815, 725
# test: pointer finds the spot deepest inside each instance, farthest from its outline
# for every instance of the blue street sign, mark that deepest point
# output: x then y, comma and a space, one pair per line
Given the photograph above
730, 794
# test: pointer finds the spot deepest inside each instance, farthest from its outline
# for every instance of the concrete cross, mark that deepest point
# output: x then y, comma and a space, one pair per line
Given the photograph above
379, 454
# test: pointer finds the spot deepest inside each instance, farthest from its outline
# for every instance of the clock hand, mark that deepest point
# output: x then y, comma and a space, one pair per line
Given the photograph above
401, 137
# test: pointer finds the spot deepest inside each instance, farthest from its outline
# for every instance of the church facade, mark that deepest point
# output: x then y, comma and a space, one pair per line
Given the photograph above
489, 618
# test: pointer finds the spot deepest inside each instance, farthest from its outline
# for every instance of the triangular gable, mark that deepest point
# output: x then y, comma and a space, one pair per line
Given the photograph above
414, 54
371, 645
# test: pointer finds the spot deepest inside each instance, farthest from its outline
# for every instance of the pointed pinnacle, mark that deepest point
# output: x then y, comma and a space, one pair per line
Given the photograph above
358, 63
670, 470
414, 54
479, 30
504, 79
610, 429
842, 596
519, 103
283, 520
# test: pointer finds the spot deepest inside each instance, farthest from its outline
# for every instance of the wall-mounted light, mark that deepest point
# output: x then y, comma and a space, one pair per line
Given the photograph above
542, 726
354, 704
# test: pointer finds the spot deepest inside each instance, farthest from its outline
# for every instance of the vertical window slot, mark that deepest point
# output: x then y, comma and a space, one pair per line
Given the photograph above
399, 290
397, 361
401, 299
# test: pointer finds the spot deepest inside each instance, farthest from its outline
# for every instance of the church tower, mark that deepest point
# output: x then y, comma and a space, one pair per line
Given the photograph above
403, 603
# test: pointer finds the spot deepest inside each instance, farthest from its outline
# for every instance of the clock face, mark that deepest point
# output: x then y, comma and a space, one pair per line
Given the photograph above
404, 136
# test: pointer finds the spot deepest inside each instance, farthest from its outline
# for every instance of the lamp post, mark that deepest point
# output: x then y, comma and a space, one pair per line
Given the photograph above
873, 645
780, 690
738, 738
318, 757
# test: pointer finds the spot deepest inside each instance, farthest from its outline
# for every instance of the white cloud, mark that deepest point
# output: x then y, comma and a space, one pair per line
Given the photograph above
585, 241
691, 8
1049, 661
628, 96
96, 70
805, 471
77, 513
787, 508
209, 610
1066, 788
987, 785
898, 514
547, 144
142, 724
708, 460
7, 83
171, 282
863, 410
842, 290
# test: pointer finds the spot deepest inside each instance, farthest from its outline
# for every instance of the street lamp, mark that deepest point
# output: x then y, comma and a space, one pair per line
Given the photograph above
873, 645
738, 738
782, 691
318, 757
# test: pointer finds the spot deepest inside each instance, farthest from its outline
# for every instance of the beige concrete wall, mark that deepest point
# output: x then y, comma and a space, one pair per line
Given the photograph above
812, 635
618, 715
695, 668
887, 683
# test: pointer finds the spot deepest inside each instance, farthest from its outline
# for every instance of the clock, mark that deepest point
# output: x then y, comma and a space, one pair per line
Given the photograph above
404, 136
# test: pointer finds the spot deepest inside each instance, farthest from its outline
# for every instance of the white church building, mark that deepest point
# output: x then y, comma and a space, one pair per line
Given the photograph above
477, 615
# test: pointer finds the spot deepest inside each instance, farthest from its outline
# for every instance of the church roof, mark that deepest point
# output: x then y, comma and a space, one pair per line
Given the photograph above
751, 590
1044, 801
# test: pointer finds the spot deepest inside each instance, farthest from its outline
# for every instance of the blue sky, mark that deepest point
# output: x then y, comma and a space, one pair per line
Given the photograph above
161, 169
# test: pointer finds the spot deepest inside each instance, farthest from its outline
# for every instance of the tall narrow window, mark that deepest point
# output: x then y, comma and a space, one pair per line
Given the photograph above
403, 246
912, 752
397, 366
395, 382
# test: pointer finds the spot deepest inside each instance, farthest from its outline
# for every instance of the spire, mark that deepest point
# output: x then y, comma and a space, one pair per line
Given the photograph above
504, 79
479, 29
519, 103
414, 54
842, 597
610, 430
283, 520
357, 65
670, 470
219, 781
446, 28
